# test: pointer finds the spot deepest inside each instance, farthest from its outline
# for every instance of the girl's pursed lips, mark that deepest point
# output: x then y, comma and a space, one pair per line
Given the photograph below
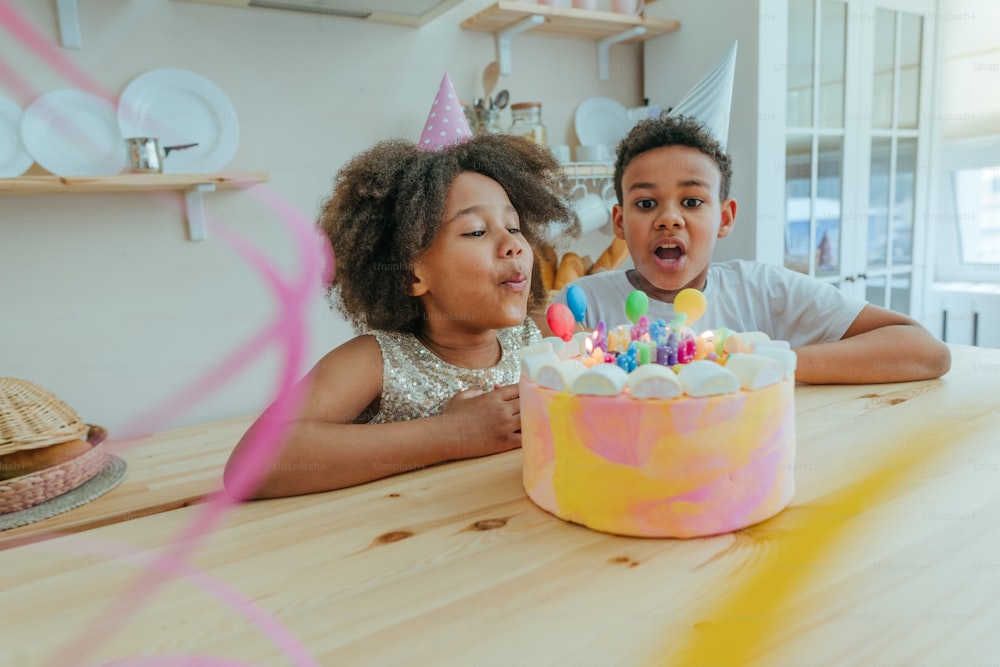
516, 281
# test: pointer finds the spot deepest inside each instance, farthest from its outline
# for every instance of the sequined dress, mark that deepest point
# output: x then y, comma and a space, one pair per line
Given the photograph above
416, 383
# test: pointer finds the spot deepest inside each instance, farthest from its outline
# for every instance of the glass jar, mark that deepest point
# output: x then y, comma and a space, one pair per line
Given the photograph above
527, 121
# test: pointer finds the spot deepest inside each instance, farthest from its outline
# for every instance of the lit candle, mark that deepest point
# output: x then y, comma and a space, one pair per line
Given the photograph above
627, 360
662, 355
593, 356
658, 332
720, 340
618, 339
640, 328
672, 349
600, 335
687, 349
645, 351
706, 345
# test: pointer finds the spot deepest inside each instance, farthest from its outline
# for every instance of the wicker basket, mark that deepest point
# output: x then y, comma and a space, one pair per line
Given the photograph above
34, 488
32, 417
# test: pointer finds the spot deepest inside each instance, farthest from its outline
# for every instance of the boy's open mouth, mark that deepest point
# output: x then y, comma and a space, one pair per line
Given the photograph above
669, 252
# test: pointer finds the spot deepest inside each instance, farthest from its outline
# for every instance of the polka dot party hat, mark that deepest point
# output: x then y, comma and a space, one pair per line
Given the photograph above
446, 123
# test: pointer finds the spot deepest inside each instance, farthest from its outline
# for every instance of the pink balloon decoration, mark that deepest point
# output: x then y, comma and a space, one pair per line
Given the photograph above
560, 320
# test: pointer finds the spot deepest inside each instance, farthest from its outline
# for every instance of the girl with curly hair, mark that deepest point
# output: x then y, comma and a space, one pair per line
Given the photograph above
435, 272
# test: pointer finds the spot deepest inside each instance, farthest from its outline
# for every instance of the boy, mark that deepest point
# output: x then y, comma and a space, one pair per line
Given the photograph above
672, 180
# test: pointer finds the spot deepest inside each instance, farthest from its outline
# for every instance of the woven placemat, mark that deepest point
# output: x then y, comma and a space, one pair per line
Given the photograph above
108, 478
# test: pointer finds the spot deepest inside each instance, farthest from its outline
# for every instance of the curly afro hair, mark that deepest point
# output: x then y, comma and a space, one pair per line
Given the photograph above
388, 204
672, 131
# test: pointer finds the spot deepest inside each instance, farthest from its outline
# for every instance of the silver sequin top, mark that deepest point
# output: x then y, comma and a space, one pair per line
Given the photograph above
416, 383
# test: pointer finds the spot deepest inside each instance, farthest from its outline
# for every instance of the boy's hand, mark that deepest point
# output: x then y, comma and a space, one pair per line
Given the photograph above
485, 422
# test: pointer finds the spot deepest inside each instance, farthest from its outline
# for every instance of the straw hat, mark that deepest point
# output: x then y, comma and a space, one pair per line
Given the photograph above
46, 438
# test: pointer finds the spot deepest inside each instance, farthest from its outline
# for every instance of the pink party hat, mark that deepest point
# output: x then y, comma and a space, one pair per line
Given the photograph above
446, 123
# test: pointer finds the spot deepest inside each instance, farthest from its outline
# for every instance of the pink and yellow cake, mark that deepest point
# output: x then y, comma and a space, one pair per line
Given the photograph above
702, 446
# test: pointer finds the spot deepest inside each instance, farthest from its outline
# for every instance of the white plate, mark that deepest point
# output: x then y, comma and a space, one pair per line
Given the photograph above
601, 120
181, 107
14, 159
73, 133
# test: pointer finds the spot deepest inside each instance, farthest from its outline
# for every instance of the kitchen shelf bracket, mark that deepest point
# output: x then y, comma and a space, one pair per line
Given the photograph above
604, 46
503, 39
195, 210
69, 24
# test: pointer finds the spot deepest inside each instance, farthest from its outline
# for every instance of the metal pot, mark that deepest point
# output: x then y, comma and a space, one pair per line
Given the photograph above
145, 155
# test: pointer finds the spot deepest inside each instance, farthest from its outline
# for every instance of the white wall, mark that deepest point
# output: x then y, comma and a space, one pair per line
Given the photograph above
970, 70
105, 302
673, 66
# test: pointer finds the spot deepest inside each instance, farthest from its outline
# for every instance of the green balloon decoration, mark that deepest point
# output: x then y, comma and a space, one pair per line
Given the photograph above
636, 305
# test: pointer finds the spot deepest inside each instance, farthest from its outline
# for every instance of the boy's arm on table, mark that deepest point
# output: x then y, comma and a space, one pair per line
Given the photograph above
324, 449
880, 346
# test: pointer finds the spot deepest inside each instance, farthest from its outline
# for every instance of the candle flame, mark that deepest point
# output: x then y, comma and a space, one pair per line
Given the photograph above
589, 344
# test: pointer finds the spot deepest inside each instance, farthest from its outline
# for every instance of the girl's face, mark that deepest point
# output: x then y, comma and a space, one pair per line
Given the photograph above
477, 273
671, 216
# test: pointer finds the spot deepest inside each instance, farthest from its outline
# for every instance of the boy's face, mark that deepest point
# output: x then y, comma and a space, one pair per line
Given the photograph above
670, 217
477, 272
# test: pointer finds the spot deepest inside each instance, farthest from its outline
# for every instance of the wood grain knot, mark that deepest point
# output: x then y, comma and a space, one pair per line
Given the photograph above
869, 396
624, 560
896, 401
489, 524
389, 538
394, 495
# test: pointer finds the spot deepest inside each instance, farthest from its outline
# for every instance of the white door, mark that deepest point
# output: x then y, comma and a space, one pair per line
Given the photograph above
829, 131
857, 127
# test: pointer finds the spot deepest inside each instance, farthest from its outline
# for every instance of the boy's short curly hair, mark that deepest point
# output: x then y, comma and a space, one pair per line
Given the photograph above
672, 131
388, 204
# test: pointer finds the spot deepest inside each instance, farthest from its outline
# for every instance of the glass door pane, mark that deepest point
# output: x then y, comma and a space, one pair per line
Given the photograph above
875, 291
798, 202
883, 67
902, 218
832, 63
899, 294
799, 86
911, 37
878, 202
828, 208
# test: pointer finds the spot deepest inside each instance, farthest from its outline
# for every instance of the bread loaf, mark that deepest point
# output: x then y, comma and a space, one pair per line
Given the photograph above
27, 461
612, 257
547, 272
570, 268
546, 251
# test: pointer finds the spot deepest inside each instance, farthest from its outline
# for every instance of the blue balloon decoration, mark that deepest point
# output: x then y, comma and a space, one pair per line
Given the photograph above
577, 302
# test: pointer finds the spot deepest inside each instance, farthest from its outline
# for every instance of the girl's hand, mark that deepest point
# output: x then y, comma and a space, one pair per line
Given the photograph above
485, 422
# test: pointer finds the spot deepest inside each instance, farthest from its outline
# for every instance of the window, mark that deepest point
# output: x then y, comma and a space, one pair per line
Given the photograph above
976, 194
966, 221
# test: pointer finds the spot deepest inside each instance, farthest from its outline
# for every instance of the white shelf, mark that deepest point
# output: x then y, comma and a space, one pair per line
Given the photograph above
193, 186
506, 19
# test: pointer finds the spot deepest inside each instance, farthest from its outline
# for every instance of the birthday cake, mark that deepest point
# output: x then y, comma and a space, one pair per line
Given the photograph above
653, 430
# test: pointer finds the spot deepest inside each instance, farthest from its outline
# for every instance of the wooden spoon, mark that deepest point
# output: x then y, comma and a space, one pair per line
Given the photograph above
490, 76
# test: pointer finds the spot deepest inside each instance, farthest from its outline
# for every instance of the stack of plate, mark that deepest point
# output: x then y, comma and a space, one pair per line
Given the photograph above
180, 107
14, 159
74, 133
601, 121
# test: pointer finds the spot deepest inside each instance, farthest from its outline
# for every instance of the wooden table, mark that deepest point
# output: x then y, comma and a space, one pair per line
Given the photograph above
454, 566
165, 471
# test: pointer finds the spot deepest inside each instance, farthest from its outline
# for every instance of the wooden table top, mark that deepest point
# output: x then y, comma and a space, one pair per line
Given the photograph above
165, 471
888, 555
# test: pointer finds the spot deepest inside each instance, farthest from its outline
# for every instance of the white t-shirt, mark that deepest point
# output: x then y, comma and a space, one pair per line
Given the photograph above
742, 296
